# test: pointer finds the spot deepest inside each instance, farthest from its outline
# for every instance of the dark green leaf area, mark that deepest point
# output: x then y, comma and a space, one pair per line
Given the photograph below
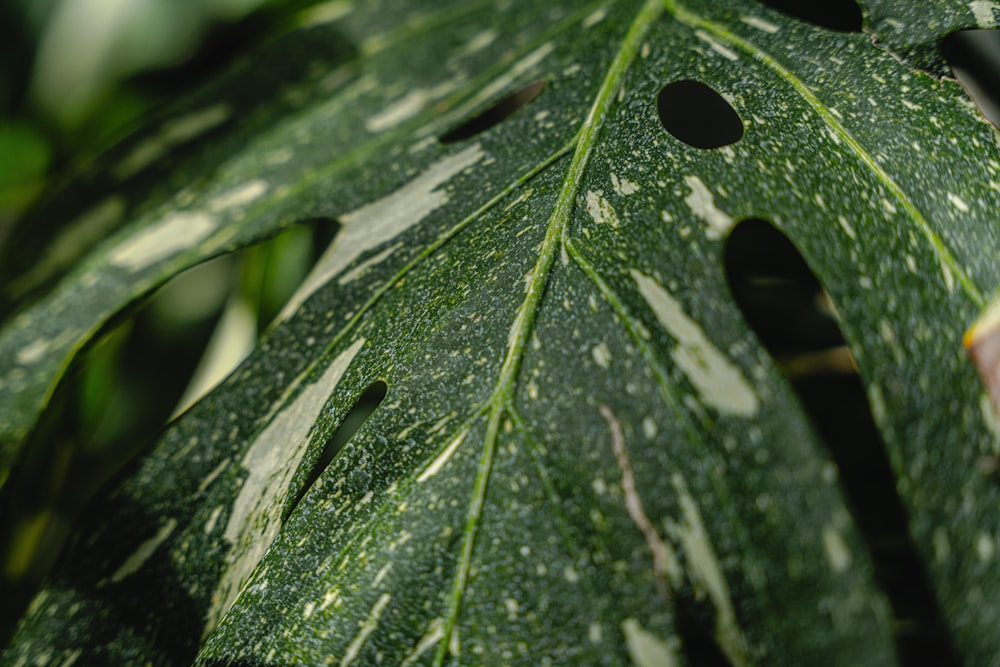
746, 488
584, 454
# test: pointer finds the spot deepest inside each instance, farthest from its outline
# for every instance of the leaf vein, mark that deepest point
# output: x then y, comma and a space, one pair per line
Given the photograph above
945, 258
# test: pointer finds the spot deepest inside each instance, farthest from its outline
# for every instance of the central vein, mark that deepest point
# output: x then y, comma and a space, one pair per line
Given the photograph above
523, 324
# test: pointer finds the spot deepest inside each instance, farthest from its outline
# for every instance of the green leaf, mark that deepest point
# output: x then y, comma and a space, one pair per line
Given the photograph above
584, 454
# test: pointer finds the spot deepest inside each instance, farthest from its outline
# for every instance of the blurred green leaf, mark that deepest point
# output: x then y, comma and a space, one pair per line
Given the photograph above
24, 160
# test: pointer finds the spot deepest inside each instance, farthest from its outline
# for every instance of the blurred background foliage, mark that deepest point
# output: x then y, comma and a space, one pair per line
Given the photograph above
75, 77
78, 75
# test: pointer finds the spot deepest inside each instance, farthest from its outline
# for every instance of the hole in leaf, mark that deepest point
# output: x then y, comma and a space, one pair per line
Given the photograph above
974, 57
697, 115
120, 391
791, 314
695, 618
495, 114
366, 404
839, 15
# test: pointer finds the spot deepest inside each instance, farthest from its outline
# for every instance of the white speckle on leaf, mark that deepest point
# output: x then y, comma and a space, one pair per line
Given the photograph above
702, 204
367, 628
212, 476
595, 17
434, 634
479, 41
442, 458
602, 355
271, 462
241, 195
719, 383
760, 24
213, 518
848, 229
985, 547
402, 109
33, 352
439, 425
958, 203
645, 648
983, 11
144, 551
532, 390
173, 133
380, 221
176, 232
649, 428
381, 574
329, 598
716, 46
837, 552
949, 279
594, 633
623, 186
325, 12
600, 209
570, 574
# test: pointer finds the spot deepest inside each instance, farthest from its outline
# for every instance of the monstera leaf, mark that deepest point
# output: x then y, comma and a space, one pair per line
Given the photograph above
583, 455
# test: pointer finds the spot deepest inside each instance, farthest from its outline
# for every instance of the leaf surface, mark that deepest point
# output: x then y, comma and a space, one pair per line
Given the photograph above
584, 454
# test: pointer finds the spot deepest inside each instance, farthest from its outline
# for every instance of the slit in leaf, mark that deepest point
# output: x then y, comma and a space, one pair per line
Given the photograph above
694, 619
784, 303
495, 114
697, 115
839, 15
974, 57
363, 408
128, 382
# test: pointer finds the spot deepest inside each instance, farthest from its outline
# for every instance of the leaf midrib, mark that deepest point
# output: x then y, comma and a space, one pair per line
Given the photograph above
523, 325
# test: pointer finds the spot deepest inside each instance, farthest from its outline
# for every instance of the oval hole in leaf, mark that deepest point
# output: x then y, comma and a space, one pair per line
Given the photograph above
785, 305
129, 381
363, 408
695, 619
495, 114
697, 115
974, 57
839, 15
